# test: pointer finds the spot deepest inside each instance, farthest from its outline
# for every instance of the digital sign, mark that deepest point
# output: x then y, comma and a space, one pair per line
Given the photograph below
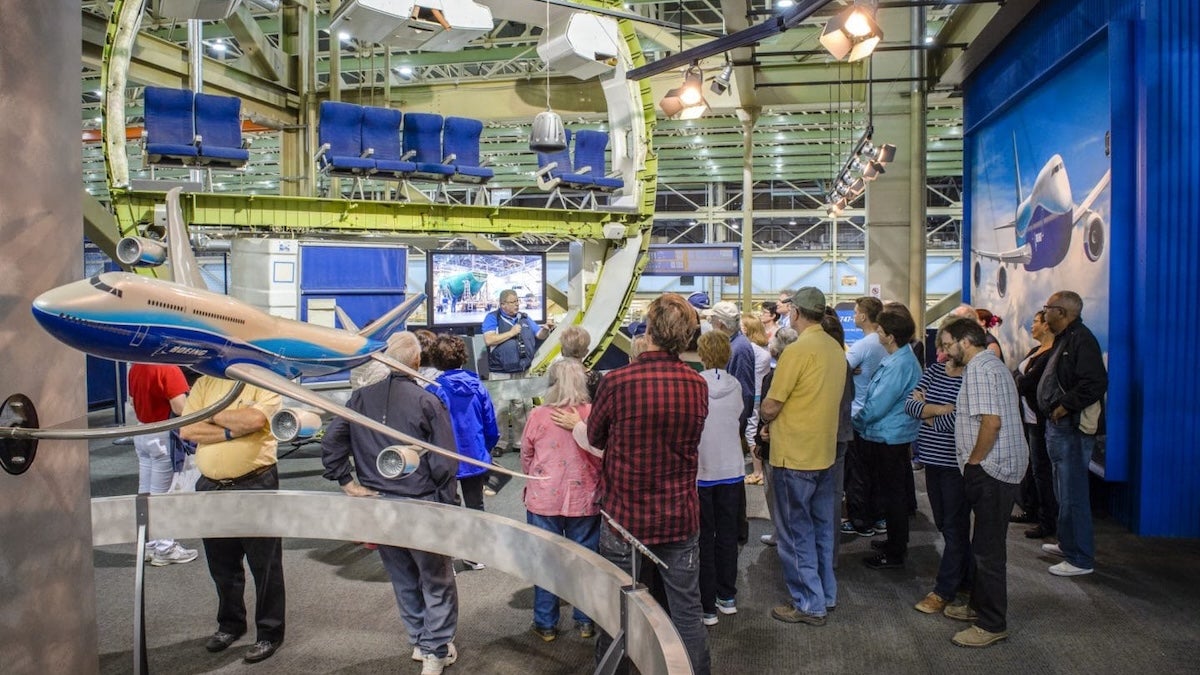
717, 260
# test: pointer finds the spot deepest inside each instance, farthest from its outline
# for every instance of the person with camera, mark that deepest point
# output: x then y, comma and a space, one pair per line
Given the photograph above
511, 338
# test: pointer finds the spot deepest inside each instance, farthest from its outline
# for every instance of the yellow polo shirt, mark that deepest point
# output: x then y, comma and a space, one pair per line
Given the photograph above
809, 380
230, 459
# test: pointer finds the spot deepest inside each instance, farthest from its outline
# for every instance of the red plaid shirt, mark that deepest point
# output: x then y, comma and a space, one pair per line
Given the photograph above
647, 418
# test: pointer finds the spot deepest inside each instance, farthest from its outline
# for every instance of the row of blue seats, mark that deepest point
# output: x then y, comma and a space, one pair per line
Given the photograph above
183, 128
557, 170
365, 141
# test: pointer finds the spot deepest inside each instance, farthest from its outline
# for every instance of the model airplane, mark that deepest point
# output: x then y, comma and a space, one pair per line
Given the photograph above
1045, 221
128, 317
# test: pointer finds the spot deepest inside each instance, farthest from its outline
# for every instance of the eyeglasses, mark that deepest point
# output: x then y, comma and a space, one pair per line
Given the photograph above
1047, 308
945, 345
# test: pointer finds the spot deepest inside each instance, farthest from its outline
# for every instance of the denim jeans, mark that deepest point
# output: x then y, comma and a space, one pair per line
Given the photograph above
1070, 453
583, 530
992, 501
952, 516
804, 533
681, 584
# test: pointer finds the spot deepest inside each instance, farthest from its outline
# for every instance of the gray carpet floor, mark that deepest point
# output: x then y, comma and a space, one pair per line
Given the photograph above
1137, 613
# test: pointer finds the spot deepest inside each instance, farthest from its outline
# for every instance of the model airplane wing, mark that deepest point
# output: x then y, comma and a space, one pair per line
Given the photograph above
1086, 205
267, 379
1018, 256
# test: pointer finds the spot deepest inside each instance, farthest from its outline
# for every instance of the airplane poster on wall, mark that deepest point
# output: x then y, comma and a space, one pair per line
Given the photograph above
1040, 202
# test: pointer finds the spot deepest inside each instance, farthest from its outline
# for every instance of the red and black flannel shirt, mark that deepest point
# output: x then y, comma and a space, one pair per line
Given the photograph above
647, 418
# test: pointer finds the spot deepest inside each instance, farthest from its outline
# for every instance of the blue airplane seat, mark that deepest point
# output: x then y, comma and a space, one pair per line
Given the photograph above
381, 133
340, 135
423, 140
219, 128
557, 170
590, 147
460, 140
170, 126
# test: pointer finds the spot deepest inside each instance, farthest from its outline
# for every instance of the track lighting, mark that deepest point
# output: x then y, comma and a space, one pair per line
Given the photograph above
865, 164
686, 102
720, 83
853, 33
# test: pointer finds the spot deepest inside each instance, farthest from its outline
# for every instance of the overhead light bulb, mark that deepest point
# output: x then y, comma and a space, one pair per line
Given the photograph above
857, 23
853, 33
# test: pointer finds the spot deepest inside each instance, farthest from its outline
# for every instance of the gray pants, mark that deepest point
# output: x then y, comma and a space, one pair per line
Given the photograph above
426, 594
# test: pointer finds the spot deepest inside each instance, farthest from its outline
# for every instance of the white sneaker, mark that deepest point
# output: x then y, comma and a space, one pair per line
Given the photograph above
175, 554
434, 665
710, 619
1066, 569
471, 564
767, 539
148, 554
417, 655
1053, 549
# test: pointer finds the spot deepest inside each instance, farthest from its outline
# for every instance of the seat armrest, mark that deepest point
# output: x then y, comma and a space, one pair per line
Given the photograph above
583, 170
321, 152
408, 155
367, 153
197, 140
246, 143
546, 169
486, 161
449, 159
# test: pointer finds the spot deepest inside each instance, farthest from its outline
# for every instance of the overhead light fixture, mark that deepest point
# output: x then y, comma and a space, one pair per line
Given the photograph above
720, 83
884, 153
865, 164
853, 33
548, 133
686, 102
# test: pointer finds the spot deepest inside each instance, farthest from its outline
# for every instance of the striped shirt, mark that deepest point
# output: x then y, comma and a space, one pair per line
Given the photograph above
935, 442
988, 389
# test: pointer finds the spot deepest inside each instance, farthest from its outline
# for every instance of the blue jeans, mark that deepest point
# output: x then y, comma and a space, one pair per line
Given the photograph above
681, 585
1070, 453
804, 533
952, 516
583, 530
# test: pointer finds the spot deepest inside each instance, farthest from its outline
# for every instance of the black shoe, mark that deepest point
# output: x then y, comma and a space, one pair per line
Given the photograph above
261, 651
884, 561
220, 641
1038, 532
879, 544
1023, 517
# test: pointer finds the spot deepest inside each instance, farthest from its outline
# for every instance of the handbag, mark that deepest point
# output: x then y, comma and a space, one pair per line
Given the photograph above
185, 479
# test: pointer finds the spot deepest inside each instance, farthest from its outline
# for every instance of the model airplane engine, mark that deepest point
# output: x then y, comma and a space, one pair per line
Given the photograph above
295, 424
141, 252
1093, 236
398, 461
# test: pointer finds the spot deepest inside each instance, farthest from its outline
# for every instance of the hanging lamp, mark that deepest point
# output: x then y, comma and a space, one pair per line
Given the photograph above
548, 133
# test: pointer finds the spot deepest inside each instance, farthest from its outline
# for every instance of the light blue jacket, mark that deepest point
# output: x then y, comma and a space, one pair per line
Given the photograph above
882, 418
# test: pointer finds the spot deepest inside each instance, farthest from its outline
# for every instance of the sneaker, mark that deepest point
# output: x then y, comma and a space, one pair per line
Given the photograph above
849, 528
710, 619
148, 554
434, 665
974, 636
880, 526
1038, 532
727, 606
931, 604
175, 554
884, 561
789, 614
488, 492
960, 612
1066, 569
471, 564
1053, 549
549, 634
917, 465
417, 655
768, 540
587, 629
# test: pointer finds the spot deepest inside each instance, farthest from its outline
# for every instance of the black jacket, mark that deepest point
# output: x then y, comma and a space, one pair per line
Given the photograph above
1027, 382
1079, 369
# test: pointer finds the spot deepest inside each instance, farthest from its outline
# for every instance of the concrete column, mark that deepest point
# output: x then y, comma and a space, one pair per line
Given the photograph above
48, 611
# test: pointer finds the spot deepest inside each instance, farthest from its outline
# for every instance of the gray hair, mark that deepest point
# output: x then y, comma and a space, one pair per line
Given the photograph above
405, 348
575, 341
568, 384
783, 338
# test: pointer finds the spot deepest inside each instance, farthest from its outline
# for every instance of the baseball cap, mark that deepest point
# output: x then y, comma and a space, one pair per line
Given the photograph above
809, 298
727, 312
699, 300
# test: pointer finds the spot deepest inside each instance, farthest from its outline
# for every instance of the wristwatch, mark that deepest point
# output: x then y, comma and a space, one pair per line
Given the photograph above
228, 436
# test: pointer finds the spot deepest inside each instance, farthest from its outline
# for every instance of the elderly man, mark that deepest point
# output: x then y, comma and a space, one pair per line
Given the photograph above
1070, 394
727, 317
992, 454
511, 338
235, 451
801, 413
647, 419
423, 582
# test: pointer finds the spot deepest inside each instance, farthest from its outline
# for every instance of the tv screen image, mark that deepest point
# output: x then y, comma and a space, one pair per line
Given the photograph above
465, 286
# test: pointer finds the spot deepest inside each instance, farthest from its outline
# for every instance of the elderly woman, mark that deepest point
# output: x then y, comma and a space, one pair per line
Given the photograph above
471, 412
575, 343
565, 501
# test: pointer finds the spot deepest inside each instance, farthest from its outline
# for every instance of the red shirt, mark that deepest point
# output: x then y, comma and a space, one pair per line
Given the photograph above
648, 417
152, 387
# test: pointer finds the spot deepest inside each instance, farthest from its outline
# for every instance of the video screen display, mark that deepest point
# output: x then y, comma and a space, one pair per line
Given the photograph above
465, 286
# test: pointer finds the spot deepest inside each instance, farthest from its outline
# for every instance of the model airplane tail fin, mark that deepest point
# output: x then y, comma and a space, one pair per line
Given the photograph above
184, 268
1017, 168
347, 322
384, 325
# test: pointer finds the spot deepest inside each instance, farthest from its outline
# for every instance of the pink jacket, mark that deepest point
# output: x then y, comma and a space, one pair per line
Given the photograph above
573, 475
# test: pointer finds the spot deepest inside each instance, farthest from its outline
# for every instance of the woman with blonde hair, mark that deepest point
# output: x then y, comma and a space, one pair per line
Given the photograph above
753, 327
564, 502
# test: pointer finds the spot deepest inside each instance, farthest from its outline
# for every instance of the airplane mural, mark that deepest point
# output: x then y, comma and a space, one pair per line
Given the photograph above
129, 317
1044, 224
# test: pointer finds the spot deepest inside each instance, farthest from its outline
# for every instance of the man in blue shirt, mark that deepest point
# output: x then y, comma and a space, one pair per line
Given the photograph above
511, 338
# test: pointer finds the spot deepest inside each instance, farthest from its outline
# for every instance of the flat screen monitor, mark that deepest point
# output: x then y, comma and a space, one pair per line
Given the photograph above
465, 286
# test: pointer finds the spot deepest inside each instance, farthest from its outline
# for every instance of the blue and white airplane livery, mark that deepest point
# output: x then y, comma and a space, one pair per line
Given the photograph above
129, 317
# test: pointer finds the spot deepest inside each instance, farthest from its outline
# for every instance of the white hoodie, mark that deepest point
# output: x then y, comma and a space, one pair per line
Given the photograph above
720, 446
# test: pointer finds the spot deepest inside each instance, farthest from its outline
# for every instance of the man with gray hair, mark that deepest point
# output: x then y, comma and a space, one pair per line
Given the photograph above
423, 582
727, 317
1070, 394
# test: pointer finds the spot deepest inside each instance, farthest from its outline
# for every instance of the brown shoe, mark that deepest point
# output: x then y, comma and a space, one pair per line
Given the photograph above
789, 614
960, 612
974, 636
931, 604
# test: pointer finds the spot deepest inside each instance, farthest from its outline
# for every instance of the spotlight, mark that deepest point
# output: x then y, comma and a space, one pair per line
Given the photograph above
884, 153
686, 102
720, 83
853, 34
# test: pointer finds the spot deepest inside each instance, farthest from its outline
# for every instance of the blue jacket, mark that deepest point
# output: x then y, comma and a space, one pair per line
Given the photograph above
473, 418
882, 418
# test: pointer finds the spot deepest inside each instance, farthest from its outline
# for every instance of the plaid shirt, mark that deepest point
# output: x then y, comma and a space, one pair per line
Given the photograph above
988, 389
647, 418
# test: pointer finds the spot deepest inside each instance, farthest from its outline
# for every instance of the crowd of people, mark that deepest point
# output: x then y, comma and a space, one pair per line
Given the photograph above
662, 447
